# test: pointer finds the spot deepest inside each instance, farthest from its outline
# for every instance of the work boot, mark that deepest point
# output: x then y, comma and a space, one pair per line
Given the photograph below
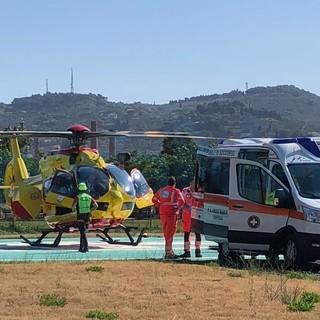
186, 254
198, 253
171, 256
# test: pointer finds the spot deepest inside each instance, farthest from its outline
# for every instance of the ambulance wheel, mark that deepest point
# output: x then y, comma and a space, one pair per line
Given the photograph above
293, 254
227, 258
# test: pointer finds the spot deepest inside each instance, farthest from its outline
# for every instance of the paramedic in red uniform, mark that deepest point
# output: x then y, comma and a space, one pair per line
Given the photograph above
186, 224
169, 200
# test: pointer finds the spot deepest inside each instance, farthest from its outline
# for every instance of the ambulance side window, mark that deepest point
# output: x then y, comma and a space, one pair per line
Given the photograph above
251, 182
260, 156
200, 173
278, 171
216, 179
256, 184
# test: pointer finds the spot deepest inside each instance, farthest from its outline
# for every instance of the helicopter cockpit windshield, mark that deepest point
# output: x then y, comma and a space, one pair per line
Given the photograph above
122, 178
96, 180
140, 184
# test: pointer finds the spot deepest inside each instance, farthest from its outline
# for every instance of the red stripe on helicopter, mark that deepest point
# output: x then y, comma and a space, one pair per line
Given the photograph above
103, 223
19, 211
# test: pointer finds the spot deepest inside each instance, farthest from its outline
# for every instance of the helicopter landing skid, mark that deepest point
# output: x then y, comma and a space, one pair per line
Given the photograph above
107, 238
38, 243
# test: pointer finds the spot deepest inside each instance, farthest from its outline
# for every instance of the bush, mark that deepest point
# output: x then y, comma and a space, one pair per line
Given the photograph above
96, 314
95, 269
306, 302
52, 300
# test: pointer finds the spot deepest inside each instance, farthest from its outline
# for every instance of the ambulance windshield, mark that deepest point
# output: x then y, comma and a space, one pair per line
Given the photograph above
306, 177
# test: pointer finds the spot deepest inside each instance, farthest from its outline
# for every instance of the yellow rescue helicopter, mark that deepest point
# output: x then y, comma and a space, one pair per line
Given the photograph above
51, 193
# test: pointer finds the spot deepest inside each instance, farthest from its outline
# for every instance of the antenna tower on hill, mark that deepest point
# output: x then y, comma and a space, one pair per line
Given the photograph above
71, 86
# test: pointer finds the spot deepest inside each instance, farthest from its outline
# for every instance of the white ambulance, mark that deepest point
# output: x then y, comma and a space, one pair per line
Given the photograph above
260, 196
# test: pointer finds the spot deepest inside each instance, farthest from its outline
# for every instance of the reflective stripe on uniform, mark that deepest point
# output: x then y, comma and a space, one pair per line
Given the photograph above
171, 202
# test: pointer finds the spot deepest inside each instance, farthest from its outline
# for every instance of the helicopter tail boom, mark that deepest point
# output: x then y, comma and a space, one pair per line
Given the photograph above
18, 166
25, 201
23, 198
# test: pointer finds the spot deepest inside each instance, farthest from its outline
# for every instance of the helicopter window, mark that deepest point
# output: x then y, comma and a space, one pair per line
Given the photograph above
46, 186
140, 184
122, 178
62, 183
73, 158
96, 180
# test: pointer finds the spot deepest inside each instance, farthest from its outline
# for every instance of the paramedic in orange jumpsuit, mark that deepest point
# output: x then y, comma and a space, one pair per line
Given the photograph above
186, 224
169, 200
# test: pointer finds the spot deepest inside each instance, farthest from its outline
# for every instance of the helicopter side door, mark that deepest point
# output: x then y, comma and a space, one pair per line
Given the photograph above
60, 191
144, 193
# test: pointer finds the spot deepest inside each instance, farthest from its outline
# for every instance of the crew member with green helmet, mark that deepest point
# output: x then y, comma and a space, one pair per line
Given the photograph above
84, 204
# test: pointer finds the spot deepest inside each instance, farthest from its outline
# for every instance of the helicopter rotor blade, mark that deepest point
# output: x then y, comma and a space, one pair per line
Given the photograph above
149, 134
15, 134
94, 134
160, 134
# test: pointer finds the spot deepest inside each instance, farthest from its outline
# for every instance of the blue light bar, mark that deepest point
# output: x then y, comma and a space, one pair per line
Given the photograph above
306, 143
285, 140
310, 145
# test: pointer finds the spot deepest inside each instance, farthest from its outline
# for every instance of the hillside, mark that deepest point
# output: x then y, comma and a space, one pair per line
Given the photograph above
262, 111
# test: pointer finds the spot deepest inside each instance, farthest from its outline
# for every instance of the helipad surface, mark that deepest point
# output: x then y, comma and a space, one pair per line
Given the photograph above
150, 248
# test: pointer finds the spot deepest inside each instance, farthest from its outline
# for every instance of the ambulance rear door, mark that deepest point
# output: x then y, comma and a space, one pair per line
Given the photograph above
254, 219
214, 205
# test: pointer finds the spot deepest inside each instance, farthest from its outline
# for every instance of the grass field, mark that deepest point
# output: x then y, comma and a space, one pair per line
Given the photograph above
148, 290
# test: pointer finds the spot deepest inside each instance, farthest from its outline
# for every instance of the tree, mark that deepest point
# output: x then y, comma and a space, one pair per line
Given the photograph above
24, 142
181, 157
178, 158
153, 167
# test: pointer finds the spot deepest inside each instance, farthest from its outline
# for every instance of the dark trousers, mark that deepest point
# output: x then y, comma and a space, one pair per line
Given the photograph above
187, 236
83, 237
187, 242
83, 220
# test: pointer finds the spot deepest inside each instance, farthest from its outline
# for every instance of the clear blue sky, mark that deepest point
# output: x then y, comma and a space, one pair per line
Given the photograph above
157, 51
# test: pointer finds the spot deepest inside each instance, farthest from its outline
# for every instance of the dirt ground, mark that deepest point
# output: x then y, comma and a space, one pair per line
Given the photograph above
148, 290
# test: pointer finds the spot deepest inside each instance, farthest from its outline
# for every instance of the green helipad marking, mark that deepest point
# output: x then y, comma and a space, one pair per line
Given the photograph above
12, 250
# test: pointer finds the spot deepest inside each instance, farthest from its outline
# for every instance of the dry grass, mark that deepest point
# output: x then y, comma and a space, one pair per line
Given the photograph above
147, 290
